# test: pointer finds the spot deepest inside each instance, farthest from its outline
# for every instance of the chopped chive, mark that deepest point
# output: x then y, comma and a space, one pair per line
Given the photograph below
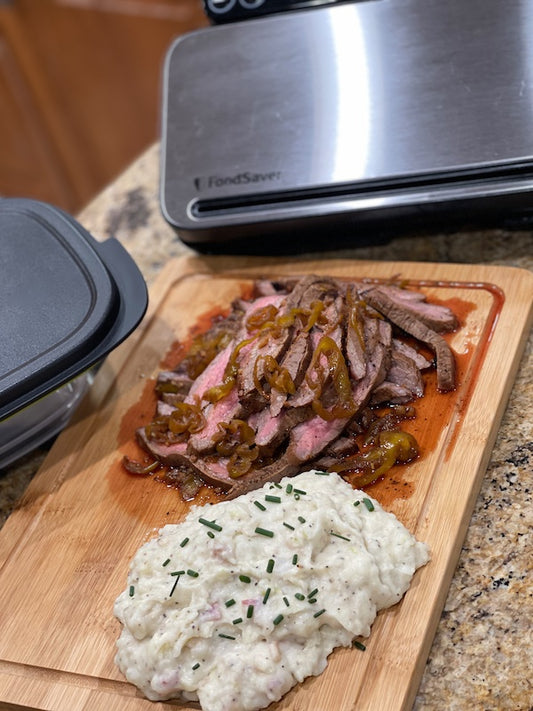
273, 499
270, 565
225, 636
286, 601
295, 559
178, 572
132, 590
320, 612
277, 619
288, 488
195, 667
266, 595
260, 505
297, 497
359, 645
210, 524
184, 542
301, 519
338, 535
300, 491
299, 596
288, 525
322, 473
356, 503
210, 534
229, 603
368, 504
278, 486
167, 561
237, 621
312, 600
249, 611
245, 579
313, 593
193, 573
264, 532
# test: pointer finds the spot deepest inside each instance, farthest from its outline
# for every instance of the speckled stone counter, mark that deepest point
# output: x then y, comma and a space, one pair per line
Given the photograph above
481, 658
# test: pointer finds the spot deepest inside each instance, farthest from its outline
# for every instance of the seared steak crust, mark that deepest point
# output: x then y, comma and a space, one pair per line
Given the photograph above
286, 375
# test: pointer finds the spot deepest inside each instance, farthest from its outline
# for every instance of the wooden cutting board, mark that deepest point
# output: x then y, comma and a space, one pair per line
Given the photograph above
64, 553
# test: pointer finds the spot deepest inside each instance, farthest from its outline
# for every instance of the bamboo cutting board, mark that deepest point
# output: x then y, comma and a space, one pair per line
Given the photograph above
64, 553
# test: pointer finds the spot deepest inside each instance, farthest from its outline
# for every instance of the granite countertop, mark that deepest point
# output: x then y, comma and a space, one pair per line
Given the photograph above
481, 657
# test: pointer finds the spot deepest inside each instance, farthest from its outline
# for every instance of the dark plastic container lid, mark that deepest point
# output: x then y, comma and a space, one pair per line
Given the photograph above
66, 300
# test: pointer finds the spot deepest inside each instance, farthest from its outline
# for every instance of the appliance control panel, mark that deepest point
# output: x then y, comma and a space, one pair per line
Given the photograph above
220, 11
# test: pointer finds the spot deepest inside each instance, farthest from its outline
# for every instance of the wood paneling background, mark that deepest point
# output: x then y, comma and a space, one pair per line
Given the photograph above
80, 84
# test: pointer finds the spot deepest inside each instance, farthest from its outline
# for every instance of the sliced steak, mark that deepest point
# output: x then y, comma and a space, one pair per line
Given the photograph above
176, 455
410, 323
295, 362
354, 330
435, 316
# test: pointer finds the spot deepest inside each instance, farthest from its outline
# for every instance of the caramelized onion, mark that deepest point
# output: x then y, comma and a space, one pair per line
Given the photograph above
217, 392
134, 467
338, 370
186, 418
275, 375
368, 466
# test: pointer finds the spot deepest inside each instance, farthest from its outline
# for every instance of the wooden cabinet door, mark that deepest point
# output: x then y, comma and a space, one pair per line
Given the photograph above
80, 89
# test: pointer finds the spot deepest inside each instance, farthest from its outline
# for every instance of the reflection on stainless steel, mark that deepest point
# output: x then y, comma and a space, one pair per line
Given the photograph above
348, 96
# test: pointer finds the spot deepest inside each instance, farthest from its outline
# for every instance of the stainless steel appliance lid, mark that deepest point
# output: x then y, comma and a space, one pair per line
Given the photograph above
66, 300
352, 95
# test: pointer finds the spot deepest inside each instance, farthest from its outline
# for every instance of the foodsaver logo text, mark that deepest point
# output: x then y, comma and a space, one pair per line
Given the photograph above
245, 178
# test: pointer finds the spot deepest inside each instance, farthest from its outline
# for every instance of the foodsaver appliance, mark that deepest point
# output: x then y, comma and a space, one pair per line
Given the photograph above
350, 120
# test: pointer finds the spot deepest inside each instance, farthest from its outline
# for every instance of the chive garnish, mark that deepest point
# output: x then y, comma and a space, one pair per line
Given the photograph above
237, 621
288, 525
273, 499
320, 612
368, 504
277, 619
285, 600
264, 532
338, 535
359, 645
300, 491
266, 595
301, 519
210, 524
295, 559
270, 565
132, 590
184, 542
313, 593
210, 534
278, 486
322, 473
229, 603
245, 579
195, 667
260, 505
299, 596
167, 561
249, 611
177, 572
356, 503
225, 636
193, 573
288, 488
312, 600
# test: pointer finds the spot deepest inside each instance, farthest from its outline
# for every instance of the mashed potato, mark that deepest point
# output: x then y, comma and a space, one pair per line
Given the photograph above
245, 598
